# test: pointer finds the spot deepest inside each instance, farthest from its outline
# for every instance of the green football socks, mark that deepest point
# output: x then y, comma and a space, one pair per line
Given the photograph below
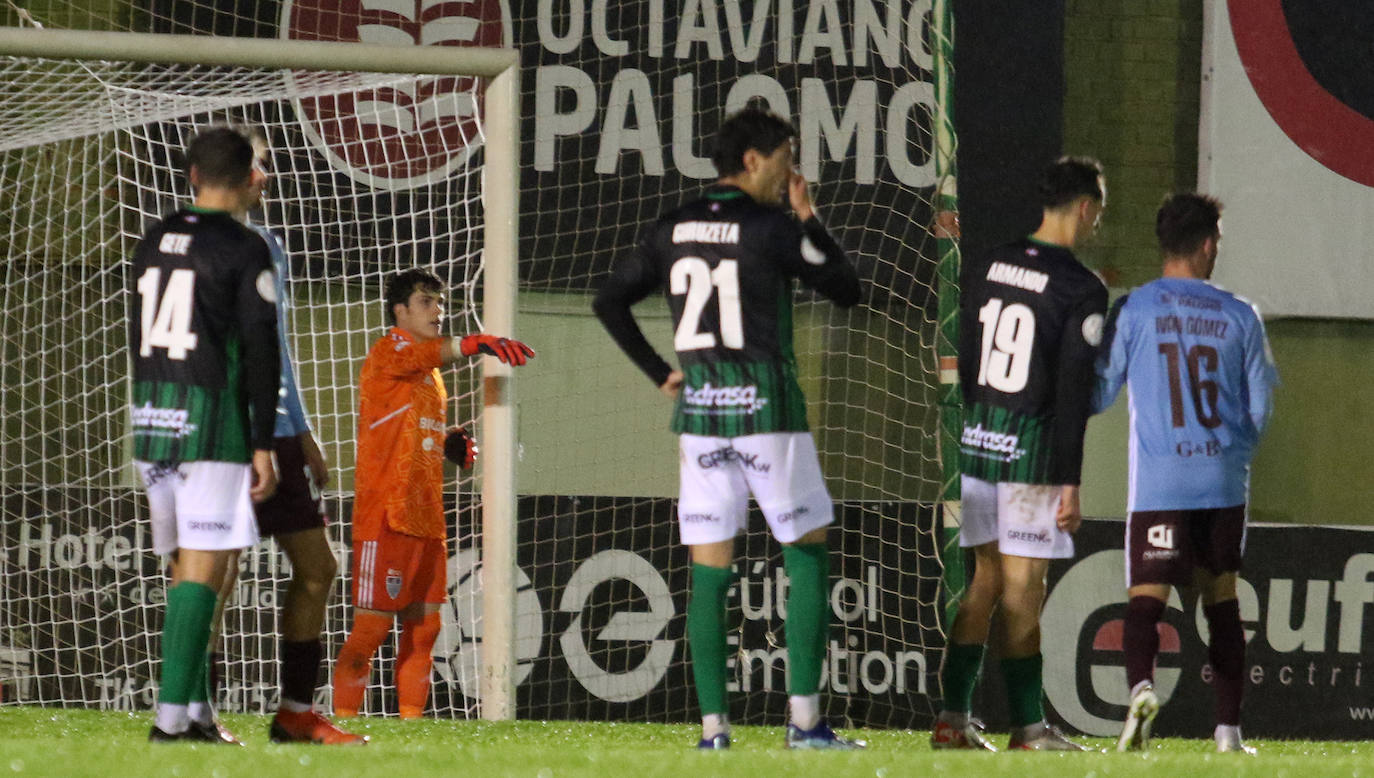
1024, 689
808, 610
185, 638
963, 661
706, 636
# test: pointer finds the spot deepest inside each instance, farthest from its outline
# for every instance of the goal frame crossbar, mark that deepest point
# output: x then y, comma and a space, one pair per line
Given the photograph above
500, 197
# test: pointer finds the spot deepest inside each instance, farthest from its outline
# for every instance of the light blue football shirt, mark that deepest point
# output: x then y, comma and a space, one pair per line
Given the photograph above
291, 420
1200, 379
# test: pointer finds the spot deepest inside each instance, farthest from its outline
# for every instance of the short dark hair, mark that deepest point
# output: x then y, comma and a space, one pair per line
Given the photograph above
1069, 178
223, 155
401, 286
1186, 219
751, 128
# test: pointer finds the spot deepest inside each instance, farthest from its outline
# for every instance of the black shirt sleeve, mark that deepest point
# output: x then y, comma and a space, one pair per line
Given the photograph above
257, 320
1074, 384
821, 263
634, 277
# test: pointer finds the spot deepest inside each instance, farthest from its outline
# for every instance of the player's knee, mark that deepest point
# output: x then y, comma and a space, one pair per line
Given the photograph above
318, 576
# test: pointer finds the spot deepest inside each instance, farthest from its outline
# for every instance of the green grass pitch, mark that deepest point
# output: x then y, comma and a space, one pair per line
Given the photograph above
47, 741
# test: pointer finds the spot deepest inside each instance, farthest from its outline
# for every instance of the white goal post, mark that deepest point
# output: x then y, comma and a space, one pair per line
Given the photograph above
500, 192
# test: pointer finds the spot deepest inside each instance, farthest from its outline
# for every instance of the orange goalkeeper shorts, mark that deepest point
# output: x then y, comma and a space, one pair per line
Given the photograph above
397, 570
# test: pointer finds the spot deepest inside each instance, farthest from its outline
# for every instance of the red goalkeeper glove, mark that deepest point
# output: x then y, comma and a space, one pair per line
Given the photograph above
512, 352
460, 448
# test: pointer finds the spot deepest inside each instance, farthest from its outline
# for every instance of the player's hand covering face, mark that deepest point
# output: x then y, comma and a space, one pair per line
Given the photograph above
512, 352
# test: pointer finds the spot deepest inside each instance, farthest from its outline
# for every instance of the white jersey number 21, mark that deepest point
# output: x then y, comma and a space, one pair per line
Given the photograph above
693, 277
167, 323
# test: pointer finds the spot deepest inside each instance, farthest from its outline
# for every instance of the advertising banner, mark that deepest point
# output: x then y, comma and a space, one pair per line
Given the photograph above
1304, 596
601, 611
1287, 143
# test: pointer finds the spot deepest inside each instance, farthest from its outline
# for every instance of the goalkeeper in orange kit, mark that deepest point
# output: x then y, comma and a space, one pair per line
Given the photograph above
399, 559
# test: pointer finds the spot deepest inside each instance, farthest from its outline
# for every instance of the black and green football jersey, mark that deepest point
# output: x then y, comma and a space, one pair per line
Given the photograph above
1030, 322
202, 341
728, 266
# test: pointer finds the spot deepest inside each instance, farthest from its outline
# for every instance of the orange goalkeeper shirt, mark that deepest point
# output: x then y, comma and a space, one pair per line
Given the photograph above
401, 424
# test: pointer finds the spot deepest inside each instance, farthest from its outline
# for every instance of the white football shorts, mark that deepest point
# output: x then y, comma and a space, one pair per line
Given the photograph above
779, 469
1019, 517
199, 505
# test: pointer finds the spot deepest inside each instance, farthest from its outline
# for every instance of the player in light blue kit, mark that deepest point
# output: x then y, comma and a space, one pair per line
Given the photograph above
1201, 379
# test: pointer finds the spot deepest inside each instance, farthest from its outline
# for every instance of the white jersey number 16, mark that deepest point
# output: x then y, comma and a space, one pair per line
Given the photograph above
693, 277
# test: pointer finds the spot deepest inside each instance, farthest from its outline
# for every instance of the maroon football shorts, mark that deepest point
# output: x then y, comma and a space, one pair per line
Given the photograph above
1165, 547
297, 505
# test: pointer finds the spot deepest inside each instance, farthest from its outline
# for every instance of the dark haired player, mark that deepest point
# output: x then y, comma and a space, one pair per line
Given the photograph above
202, 311
1030, 322
1201, 382
728, 262
295, 516
399, 560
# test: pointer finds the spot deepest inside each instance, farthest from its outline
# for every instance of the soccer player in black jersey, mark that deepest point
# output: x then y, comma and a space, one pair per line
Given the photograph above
1030, 323
203, 344
728, 261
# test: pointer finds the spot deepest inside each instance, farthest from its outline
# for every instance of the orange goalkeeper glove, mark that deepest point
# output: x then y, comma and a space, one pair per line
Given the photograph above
512, 352
460, 448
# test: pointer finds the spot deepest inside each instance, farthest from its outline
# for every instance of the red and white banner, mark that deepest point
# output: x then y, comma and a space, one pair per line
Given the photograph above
1287, 143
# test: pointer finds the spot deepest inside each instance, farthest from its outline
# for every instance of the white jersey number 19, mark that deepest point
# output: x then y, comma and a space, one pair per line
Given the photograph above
167, 323
693, 277
1008, 335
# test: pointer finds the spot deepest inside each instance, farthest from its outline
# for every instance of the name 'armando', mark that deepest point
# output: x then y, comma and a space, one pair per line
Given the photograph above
1024, 278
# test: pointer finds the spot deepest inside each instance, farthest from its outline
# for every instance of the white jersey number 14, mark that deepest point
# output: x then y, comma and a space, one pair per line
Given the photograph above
167, 323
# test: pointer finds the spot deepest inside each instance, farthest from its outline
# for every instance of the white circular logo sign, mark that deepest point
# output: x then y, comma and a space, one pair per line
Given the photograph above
410, 133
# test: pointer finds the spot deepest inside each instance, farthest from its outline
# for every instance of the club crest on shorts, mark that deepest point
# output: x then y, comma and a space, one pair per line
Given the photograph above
393, 583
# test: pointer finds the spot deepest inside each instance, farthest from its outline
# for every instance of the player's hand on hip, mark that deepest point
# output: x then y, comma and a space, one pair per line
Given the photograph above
314, 459
460, 448
264, 475
672, 385
799, 195
1069, 516
512, 352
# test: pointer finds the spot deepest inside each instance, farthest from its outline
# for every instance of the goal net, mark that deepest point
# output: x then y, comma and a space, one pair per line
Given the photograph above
372, 173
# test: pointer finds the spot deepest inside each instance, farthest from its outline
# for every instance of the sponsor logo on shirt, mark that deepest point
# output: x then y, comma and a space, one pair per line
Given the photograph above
708, 396
163, 422
1206, 448
1020, 277
729, 454
706, 232
1188, 301
1004, 445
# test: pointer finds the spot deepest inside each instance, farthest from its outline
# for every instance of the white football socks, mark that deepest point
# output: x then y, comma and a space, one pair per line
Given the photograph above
806, 710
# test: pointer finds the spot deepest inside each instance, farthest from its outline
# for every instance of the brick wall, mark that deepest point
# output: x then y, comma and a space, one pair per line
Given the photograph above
1131, 80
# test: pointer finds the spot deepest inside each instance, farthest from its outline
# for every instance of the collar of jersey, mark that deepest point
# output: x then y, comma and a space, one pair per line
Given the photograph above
198, 209
1045, 243
724, 192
